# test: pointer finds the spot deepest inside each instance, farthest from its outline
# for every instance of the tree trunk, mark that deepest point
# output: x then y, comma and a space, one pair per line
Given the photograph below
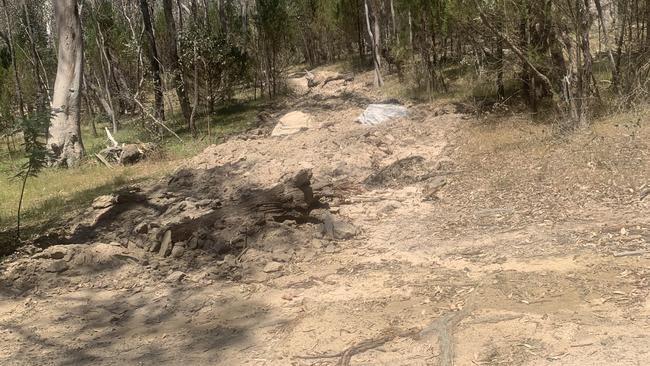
39, 70
175, 64
392, 15
374, 40
603, 26
106, 73
14, 65
64, 135
154, 60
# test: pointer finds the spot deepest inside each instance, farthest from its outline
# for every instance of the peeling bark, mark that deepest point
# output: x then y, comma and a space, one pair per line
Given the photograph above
64, 135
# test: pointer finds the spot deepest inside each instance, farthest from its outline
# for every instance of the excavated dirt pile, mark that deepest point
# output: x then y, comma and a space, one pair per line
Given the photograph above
257, 198
435, 239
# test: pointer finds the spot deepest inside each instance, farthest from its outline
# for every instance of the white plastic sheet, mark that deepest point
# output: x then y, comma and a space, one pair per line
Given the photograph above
377, 114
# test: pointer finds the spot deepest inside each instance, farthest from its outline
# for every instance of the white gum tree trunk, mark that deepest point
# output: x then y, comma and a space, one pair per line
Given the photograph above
64, 135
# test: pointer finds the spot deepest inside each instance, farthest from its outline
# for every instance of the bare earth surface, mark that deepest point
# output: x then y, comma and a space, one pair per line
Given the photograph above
487, 244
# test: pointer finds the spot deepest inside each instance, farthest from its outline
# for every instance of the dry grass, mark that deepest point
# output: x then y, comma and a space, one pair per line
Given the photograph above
57, 194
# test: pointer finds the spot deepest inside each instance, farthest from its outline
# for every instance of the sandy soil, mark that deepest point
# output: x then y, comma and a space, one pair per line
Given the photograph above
534, 252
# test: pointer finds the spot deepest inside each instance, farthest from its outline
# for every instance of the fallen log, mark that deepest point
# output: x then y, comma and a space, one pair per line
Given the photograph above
345, 77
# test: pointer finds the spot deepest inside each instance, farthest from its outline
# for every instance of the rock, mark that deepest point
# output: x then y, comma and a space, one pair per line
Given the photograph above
430, 190
330, 249
279, 256
57, 266
154, 247
193, 243
104, 202
166, 244
178, 250
204, 243
293, 122
174, 277
131, 154
272, 267
342, 230
141, 228
229, 260
55, 252
204, 203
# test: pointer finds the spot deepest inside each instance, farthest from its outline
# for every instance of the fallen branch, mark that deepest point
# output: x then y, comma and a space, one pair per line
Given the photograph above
631, 253
363, 346
104, 161
111, 138
346, 77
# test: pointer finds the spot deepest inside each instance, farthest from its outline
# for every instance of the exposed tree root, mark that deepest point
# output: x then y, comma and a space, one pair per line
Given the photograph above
365, 345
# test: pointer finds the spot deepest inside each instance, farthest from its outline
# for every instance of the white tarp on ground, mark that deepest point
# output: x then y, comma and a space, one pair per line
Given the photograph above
293, 122
379, 113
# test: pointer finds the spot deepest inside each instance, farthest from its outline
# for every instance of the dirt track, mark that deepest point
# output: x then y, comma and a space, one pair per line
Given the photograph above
533, 253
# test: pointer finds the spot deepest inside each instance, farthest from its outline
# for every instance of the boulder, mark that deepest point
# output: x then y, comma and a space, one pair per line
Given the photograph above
293, 122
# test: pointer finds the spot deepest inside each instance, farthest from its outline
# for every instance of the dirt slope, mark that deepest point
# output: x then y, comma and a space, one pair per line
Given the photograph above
470, 243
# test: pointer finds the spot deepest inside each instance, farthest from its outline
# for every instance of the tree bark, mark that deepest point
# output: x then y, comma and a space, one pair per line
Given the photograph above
374, 40
106, 73
175, 64
14, 65
64, 135
159, 103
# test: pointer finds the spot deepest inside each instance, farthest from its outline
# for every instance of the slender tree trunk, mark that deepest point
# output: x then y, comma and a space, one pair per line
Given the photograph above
89, 107
603, 26
375, 51
175, 64
195, 99
410, 30
392, 15
106, 72
154, 60
14, 64
64, 135
39, 68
